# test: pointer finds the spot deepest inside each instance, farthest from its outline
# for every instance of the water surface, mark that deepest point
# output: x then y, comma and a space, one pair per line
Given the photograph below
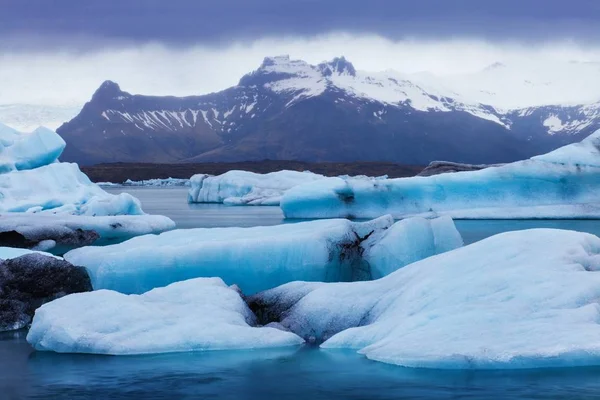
172, 202
303, 373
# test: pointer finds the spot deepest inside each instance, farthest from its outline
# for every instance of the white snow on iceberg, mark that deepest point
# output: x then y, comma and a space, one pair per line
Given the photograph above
523, 299
246, 188
260, 258
560, 184
195, 315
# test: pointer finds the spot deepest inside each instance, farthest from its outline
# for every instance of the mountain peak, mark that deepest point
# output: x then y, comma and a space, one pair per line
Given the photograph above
108, 90
272, 61
338, 66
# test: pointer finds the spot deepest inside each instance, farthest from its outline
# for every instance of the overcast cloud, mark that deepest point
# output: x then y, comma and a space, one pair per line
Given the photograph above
59, 51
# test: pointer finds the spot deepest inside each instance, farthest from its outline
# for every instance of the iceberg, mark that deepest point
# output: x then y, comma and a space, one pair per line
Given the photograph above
246, 188
60, 233
36, 149
195, 315
61, 188
41, 198
524, 299
260, 258
561, 184
29, 279
156, 182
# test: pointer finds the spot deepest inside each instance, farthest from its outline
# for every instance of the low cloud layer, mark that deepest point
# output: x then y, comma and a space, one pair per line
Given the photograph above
70, 77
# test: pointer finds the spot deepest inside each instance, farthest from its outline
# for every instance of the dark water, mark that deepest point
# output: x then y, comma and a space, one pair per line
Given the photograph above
303, 373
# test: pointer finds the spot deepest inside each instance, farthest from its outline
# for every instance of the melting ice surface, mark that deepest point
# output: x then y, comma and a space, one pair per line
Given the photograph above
261, 258
561, 184
246, 188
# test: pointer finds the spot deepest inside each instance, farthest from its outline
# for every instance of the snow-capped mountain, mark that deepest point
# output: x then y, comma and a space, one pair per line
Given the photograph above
289, 109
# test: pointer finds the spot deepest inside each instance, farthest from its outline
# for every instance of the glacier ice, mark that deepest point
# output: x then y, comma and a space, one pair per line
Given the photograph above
59, 233
40, 197
246, 188
561, 184
260, 258
154, 182
523, 299
195, 315
61, 188
32, 150
411, 240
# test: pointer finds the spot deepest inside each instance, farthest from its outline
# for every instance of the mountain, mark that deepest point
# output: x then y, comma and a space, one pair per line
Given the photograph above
291, 110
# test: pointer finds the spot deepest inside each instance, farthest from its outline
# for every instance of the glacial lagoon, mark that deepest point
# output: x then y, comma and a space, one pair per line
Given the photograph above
291, 373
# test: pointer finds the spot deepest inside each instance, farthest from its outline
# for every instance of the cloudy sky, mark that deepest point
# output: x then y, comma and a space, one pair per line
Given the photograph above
59, 51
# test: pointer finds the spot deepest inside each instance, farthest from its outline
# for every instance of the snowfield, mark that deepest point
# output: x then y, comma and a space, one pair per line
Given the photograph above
560, 184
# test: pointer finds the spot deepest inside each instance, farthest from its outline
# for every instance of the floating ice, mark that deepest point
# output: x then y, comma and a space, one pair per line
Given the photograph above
39, 198
259, 258
32, 150
246, 188
59, 233
195, 315
521, 299
560, 184
155, 182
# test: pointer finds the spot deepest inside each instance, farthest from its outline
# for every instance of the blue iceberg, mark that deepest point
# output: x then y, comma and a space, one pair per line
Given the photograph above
261, 258
561, 184
525, 299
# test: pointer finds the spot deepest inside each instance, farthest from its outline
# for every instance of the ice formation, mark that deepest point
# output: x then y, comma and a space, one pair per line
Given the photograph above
60, 233
158, 182
32, 179
40, 196
260, 258
195, 315
246, 188
523, 299
561, 184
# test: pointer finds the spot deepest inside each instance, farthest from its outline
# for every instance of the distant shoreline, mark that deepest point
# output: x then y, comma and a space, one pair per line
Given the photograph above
120, 172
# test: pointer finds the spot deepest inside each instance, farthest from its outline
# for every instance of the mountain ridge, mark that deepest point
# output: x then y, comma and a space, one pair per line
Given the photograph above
290, 109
